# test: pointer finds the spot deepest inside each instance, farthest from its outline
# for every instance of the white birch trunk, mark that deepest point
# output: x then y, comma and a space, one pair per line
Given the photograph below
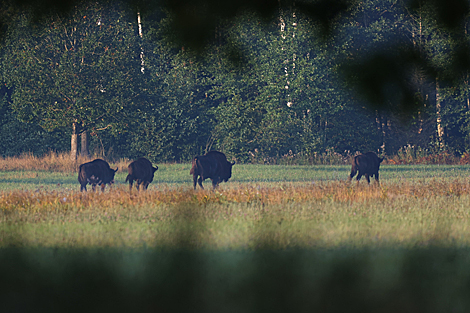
142, 65
440, 129
289, 62
74, 142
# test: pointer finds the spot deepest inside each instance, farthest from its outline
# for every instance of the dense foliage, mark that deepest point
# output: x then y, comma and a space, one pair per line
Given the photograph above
259, 92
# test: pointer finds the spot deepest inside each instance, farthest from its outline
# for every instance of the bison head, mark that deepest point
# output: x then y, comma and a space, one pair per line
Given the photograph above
111, 175
154, 169
229, 171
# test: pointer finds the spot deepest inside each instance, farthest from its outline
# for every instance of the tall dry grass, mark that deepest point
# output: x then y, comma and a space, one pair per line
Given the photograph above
327, 214
53, 161
285, 193
61, 162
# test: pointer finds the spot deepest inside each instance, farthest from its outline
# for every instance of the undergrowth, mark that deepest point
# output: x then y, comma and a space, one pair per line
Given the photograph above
408, 155
53, 161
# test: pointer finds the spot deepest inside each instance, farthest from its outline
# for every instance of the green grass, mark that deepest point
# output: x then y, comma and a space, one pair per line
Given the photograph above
177, 175
401, 222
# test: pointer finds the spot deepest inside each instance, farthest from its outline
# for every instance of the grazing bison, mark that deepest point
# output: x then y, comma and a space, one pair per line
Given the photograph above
213, 165
141, 170
96, 172
366, 164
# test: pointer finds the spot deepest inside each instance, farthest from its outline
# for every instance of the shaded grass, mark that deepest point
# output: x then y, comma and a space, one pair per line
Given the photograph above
332, 280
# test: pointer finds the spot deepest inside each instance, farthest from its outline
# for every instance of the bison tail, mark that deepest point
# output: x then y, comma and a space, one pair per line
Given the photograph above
194, 166
353, 171
82, 176
128, 178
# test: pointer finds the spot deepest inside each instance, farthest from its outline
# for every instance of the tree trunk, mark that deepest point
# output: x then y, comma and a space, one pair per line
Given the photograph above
74, 142
440, 129
139, 22
84, 147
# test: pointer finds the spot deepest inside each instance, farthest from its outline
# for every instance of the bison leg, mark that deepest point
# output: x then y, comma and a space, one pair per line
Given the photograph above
93, 187
216, 182
359, 175
377, 178
194, 181
368, 179
199, 181
83, 187
145, 185
131, 182
102, 187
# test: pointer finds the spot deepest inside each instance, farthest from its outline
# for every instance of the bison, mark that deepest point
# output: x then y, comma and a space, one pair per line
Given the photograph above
142, 171
366, 164
213, 165
96, 172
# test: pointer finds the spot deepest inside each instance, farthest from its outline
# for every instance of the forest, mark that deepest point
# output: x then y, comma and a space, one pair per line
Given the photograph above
108, 80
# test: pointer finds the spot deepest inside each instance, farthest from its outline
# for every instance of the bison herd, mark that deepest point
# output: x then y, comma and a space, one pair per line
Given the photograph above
213, 165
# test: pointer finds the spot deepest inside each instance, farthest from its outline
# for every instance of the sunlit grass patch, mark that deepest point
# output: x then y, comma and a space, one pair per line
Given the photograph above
328, 214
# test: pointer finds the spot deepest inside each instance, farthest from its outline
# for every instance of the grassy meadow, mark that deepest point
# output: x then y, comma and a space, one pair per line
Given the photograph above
262, 206
272, 239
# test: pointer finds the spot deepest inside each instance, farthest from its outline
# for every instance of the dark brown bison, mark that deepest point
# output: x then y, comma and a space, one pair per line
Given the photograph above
366, 164
213, 165
96, 172
142, 171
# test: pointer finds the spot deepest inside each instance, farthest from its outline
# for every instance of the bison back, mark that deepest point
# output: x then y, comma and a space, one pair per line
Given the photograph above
219, 156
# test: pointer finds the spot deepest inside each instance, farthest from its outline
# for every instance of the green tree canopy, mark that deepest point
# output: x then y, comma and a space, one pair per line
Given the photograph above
79, 70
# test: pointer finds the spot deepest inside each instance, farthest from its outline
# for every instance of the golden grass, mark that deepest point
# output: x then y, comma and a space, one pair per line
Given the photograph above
340, 192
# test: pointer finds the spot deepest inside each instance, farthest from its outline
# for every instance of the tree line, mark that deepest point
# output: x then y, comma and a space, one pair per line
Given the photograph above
104, 78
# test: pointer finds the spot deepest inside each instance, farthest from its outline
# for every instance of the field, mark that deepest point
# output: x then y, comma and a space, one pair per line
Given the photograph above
261, 206
273, 238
